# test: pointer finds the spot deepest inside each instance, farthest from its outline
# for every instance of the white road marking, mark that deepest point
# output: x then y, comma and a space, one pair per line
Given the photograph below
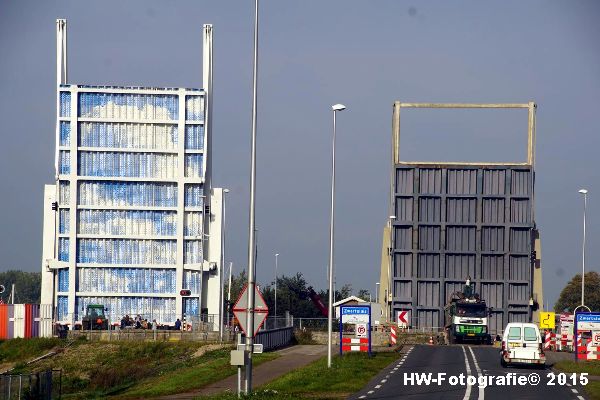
580, 397
377, 386
468, 391
481, 389
383, 380
363, 397
574, 390
370, 392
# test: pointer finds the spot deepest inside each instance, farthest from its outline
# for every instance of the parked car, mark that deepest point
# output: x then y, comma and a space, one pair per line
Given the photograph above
522, 344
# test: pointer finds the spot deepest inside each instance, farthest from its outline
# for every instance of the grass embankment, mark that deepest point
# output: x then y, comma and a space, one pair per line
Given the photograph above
125, 369
592, 389
348, 374
21, 350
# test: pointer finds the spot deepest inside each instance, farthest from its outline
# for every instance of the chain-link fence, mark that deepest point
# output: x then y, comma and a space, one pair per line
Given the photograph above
46, 385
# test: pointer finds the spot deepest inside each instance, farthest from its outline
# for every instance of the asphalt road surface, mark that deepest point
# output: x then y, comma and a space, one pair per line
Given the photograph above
407, 377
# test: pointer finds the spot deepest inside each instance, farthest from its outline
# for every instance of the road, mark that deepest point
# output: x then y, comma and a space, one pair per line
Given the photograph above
453, 361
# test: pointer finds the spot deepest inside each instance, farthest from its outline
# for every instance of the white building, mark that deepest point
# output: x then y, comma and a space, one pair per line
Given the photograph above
124, 224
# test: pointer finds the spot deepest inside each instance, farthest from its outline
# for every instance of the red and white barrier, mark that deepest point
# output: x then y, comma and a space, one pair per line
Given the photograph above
355, 344
550, 341
564, 342
393, 335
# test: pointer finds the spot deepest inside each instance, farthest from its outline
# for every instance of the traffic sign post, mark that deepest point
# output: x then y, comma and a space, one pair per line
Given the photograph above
402, 319
585, 321
240, 310
360, 316
547, 320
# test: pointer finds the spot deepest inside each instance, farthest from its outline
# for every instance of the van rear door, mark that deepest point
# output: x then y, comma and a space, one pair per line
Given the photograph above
529, 348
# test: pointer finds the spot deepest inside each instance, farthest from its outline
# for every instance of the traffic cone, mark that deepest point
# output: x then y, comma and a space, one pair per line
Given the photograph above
431, 340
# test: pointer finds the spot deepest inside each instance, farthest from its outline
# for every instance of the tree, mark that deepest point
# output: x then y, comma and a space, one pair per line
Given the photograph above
237, 284
364, 294
28, 286
570, 297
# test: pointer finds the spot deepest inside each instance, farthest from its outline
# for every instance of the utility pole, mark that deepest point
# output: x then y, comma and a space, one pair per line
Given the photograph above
252, 226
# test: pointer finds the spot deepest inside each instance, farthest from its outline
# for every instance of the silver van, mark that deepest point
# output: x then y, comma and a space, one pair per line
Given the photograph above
522, 344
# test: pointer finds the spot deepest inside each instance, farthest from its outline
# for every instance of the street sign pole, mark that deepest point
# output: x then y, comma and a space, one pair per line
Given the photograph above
252, 228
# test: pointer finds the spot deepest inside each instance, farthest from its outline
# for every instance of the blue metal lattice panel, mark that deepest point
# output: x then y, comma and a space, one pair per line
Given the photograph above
194, 108
159, 107
65, 133
63, 280
192, 252
126, 251
126, 280
64, 223
62, 307
112, 222
64, 162
192, 281
64, 193
143, 194
193, 195
128, 135
194, 137
127, 165
65, 104
190, 306
193, 165
63, 249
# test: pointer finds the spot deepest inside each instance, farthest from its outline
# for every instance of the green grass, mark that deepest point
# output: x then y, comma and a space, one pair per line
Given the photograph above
348, 374
591, 367
133, 369
22, 350
592, 389
207, 369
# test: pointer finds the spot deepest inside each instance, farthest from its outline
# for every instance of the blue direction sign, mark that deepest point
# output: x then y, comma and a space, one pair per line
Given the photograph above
355, 314
360, 316
585, 321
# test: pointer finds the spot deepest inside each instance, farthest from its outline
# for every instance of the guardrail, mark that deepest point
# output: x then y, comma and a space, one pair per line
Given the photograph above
273, 338
46, 385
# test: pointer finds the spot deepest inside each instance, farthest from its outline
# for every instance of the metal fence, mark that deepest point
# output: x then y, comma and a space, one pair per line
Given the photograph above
314, 324
46, 385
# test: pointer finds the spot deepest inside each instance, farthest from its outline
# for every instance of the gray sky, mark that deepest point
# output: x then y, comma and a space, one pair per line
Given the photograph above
314, 54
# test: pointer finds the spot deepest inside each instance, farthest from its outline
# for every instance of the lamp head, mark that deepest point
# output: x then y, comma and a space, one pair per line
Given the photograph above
583, 191
338, 107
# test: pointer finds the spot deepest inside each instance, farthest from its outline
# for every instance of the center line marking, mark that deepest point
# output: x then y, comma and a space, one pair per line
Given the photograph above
481, 389
468, 391
377, 386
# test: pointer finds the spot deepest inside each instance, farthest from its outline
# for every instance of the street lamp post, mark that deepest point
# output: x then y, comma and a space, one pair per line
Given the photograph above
388, 306
584, 193
377, 292
252, 220
335, 108
222, 270
276, 257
